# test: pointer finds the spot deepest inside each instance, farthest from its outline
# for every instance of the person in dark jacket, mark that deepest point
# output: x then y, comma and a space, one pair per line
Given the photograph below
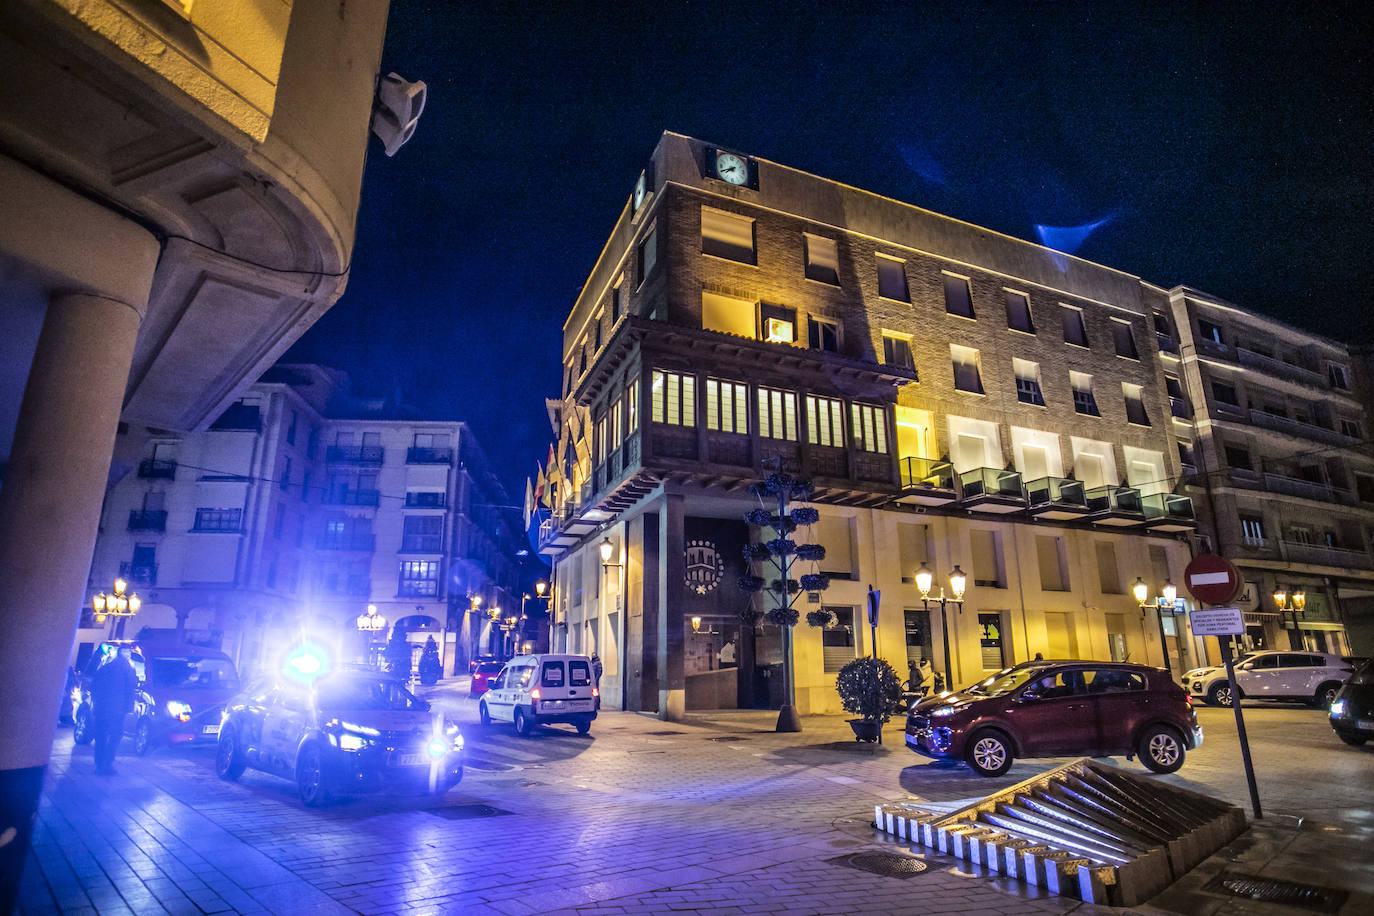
113, 687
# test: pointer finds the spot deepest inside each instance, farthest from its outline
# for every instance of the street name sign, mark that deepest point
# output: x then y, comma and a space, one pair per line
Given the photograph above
1212, 579
1217, 621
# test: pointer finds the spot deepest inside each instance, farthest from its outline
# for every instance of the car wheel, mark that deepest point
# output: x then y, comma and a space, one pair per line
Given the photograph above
522, 723
310, 777
1160, 749
483, 715
81, 726
1220, 695
583, 726
1352, 739
229, 760
143, 737
1326, 695
988, 753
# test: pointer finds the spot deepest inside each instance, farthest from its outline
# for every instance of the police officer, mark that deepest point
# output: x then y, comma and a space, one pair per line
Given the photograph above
113, 687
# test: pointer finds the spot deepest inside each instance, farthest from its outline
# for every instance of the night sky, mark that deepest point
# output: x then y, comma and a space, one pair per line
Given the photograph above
1224, 146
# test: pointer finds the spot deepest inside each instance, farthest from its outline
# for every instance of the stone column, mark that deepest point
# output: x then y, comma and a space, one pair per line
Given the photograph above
49, 513
672, 679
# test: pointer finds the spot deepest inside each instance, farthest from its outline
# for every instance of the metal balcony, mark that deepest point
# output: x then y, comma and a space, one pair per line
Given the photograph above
1304, 489
141, 573
1280, 368
418, 455
352, 498
1056, 497
147, 520
157, 469
1168, 512
1299, 429
927, 482
1321, 555
355, 454
1116, 506
991, 490
365, 541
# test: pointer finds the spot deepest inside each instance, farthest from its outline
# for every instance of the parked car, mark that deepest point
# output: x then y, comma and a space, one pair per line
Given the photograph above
1352, 712
182, 690
1275, 674
482, 676
482, 659
352, 730
540, 690
1059, 709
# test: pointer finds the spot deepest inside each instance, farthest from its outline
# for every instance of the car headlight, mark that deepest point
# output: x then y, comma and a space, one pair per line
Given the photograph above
944, 711
349, 742
179, 710
437, 747
1338, 708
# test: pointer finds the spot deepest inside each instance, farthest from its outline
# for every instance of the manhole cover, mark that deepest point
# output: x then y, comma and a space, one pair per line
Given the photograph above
665, 733
728, 738
1289, 893
467, 812
887, 864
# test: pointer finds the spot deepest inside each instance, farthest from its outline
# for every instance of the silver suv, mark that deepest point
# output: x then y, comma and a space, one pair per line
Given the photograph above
1288, 674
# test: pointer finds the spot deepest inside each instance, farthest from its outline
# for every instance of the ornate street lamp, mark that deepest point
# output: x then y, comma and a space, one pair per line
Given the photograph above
117, 605
1293, 605
1141, 591
957, 581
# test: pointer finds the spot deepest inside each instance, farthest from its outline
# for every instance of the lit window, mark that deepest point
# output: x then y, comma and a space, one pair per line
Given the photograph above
674, 398
1075, 332
822, 260
958, 299
892, 279
727, 406
601, 446
419, 579
824, 335
1125, 339
966, 373
824, 421
727, 235
1083, 400
1135, 404
777, 414
1018, 312
1027, 382
631, 407
897, 351
728, 314
870, 428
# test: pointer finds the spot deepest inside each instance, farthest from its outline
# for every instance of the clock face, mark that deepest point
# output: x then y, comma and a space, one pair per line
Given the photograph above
641, 188
731, 168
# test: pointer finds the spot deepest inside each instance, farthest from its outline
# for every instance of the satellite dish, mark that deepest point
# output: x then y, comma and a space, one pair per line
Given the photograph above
396, 110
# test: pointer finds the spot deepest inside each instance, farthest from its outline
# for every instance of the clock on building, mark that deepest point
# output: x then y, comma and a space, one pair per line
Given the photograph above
732, 168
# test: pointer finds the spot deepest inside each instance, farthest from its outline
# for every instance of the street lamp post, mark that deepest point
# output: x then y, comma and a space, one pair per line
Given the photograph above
1293, 605
607, 551
117, 605
957, 581
370, 623
1165, 599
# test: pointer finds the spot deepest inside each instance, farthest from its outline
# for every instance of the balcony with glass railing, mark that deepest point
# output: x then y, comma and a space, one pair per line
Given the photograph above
1299, 429
991, 490
1056, 498
927, 482
1168, 512
1116, 506
1279, 368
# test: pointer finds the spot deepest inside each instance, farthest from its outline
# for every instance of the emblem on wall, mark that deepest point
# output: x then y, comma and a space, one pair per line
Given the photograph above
705, 565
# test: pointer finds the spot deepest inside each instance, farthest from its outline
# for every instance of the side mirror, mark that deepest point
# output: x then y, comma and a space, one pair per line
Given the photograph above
1029, 696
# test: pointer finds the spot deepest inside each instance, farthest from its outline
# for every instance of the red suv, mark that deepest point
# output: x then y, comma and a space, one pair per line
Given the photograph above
1059, 709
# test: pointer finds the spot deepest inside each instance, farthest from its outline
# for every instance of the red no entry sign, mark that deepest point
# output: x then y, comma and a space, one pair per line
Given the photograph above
1212, 579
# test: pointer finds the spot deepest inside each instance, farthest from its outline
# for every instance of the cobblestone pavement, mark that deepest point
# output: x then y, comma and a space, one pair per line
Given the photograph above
717, 814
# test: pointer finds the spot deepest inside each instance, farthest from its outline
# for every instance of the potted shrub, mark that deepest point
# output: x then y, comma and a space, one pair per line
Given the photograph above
869, 688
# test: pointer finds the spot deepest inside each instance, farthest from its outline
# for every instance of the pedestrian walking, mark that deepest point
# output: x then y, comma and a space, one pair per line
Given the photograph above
596, 668
927, 676
112, 698
915, 678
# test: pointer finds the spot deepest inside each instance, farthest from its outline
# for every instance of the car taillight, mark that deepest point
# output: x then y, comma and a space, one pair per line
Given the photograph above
1188, 698
534, 694
595, 692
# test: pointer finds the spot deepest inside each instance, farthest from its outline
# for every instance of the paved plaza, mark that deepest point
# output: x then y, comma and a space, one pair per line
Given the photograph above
717, 814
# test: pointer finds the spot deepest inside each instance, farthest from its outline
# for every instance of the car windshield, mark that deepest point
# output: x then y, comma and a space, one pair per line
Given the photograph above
355, 693
1007, 682
1365, 673
489, 667
191, 673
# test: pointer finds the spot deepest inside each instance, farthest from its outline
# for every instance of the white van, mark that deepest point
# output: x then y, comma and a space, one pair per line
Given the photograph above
542, 689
